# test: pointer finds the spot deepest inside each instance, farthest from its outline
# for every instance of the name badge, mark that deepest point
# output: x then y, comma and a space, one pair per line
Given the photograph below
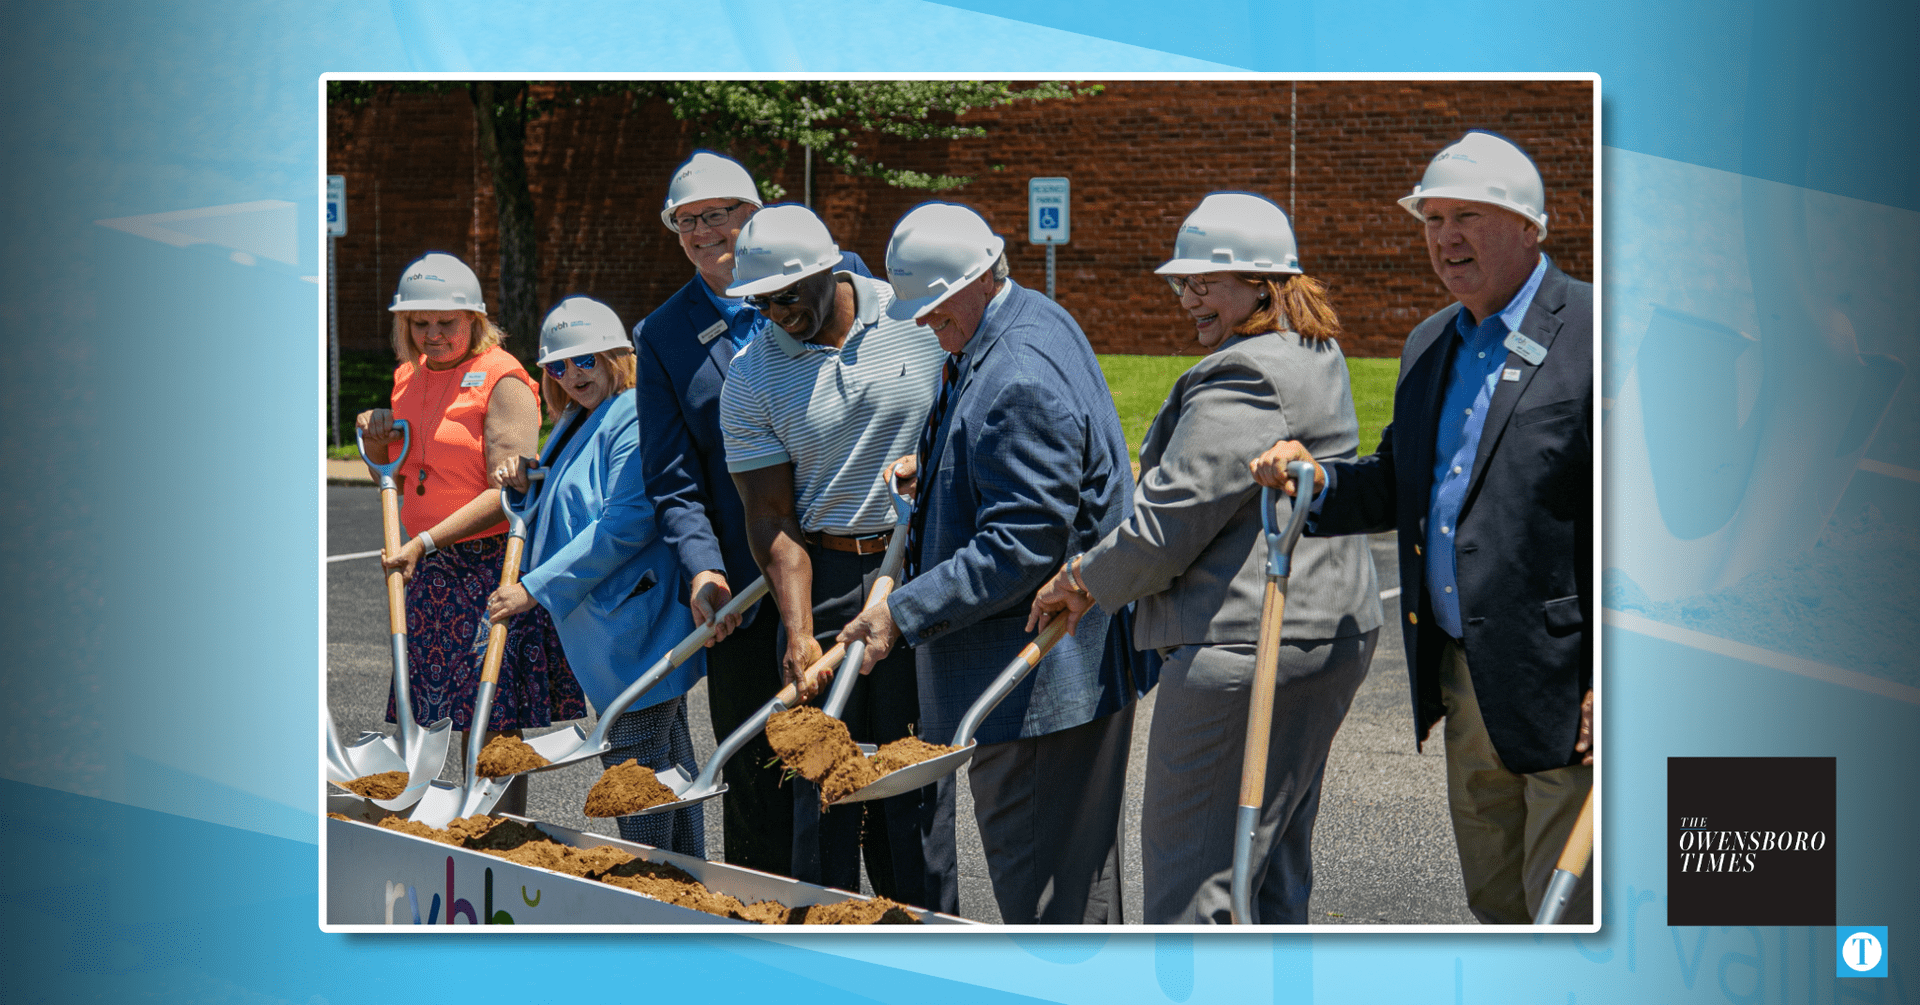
474, 378
712, 332
1510, 374
1529, 350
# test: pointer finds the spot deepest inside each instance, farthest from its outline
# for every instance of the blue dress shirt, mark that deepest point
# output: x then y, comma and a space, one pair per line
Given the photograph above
1478, 356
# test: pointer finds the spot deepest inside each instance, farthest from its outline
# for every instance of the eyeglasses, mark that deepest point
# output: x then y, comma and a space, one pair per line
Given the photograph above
763, 301
1181, 284
559, 368
712, 218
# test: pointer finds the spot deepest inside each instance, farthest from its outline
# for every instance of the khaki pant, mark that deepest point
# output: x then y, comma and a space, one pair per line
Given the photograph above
1509, 828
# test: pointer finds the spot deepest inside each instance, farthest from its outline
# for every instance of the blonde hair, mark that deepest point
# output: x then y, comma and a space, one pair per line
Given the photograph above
409, 354
619, 360
1299, 304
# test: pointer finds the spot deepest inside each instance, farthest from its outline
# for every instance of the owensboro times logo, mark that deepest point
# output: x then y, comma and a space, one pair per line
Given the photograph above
1750, 840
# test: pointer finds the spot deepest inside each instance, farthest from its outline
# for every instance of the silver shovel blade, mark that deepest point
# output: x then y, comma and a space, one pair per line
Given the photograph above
677, 780
377, 753
561, 748
911, 777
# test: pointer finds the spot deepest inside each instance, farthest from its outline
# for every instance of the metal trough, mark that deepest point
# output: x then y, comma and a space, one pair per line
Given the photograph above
377, 877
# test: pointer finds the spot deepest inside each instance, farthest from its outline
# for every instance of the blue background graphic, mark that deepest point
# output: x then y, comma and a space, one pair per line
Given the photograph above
1761, 273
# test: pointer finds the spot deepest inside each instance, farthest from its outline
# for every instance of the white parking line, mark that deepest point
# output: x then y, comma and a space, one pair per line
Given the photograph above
1389, 594
358, 554
1764, 657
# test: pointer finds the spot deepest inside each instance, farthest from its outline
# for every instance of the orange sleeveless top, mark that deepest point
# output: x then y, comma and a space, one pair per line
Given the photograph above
446, 411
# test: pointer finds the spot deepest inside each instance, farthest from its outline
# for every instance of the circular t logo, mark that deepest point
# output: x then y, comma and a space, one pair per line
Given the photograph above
1861, 951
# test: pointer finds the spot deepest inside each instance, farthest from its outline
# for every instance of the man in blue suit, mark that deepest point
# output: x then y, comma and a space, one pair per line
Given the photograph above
1024, 465
1487, 475
684, 349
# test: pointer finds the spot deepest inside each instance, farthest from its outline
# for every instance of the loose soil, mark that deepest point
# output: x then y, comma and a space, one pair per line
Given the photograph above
525, 845
506, 755
385, 785
627, 788
818, 748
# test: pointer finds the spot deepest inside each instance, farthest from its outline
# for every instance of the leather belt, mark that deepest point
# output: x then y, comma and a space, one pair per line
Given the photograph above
872, 544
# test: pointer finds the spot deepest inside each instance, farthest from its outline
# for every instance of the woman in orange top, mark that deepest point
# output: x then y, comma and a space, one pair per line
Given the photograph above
469, 406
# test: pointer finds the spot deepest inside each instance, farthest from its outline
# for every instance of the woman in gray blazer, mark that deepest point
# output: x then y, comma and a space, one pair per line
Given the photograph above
1192, 558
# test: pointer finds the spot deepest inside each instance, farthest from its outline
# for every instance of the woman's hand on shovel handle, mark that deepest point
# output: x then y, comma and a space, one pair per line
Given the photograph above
875, 627
1270, 469
409, 557
1057, 597
708, 594
508, 601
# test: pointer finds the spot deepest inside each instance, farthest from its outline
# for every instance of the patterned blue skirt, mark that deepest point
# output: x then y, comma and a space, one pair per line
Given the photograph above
447, 643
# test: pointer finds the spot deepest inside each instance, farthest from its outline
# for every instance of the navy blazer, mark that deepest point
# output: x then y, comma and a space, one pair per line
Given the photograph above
682, 359
1524, 544
1029, 466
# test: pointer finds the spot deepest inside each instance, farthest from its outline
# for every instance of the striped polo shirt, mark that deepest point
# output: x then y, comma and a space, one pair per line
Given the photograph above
838, 415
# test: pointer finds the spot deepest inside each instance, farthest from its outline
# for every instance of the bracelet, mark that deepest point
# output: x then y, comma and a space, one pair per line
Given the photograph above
426, 543
1073, 576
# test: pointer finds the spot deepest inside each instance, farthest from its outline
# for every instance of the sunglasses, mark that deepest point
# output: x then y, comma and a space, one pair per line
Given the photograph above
559, 368
762, 302
712, 218
1181, 284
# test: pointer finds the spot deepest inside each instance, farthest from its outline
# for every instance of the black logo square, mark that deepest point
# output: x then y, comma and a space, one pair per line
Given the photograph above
1750, 841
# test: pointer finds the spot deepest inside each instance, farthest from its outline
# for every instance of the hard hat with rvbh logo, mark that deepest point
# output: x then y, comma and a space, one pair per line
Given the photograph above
1484, 167
1234, 232
577, 326
438, 281
708, 175
778, 247
936, 250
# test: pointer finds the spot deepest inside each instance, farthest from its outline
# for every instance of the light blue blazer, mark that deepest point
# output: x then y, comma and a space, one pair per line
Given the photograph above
596, 561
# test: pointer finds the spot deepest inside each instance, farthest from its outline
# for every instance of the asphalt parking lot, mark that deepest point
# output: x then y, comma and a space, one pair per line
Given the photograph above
1383, 848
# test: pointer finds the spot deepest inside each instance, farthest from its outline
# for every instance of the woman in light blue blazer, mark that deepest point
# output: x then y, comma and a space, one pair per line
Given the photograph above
595, 559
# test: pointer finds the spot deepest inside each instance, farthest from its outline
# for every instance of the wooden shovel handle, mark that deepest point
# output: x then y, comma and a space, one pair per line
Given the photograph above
396, 586
1253, 768
497, 635
1579, 850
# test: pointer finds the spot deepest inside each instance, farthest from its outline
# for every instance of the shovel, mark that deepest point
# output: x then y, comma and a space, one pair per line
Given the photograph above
571, 746
418, 752
479, 794
849, 658
931, 770
1253, 769
1573, 861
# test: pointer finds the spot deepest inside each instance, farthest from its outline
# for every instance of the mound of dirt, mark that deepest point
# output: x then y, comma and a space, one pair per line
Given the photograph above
627, 788
523, 844
385, 785
505, 755
818, 748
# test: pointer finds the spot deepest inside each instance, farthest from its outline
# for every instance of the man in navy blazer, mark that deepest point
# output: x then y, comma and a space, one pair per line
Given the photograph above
684, 348
1487, 474
1023, 464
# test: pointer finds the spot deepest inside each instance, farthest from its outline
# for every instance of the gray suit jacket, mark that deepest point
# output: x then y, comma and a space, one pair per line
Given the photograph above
1192, 552
1029, 466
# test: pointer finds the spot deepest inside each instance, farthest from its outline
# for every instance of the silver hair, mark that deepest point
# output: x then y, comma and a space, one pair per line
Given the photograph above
1001, 269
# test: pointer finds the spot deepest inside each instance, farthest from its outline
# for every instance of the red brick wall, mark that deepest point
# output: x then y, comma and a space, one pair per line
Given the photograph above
1141, 155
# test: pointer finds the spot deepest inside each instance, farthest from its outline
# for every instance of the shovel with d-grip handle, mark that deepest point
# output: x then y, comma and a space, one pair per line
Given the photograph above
419, 752
1253, 768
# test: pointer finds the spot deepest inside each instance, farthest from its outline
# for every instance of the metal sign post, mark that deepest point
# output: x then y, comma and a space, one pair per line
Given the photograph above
336, 226
1049, 220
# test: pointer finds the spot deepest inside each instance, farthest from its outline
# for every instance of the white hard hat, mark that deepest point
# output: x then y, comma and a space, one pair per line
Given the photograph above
577, 326
708, 175
1234, 232
778, 247
1484, 167
438, 281
937, 248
